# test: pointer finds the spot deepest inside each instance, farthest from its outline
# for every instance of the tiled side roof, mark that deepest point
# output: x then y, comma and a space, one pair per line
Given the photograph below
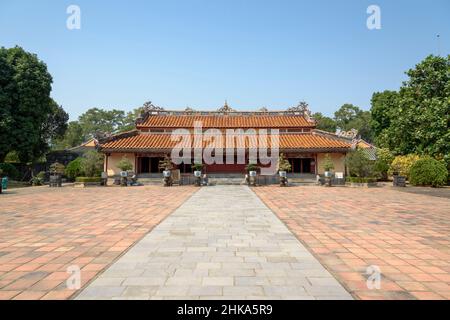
163, 141
226, 121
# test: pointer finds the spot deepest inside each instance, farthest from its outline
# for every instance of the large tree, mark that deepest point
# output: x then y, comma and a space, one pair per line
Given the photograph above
384, 106
419, 119
33, 119
73, 137
325, 123
349, 116
96, 119
6, 92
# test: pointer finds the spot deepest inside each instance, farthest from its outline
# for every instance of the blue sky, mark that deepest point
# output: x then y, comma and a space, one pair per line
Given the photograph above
200, 52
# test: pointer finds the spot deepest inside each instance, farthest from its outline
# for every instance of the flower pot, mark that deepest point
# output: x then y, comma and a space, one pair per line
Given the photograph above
197, 174
124, 174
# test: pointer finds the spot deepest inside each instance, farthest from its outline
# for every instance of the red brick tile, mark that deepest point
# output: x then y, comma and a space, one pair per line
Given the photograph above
427, 295
410, 256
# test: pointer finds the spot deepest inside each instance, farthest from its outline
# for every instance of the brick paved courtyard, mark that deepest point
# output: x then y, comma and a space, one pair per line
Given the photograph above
43, 231
406, 235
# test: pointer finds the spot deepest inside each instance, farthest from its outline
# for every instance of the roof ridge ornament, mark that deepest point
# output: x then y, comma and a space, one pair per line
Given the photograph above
225, 108
147, 109
149, 106
351, 134
263, 110
189, 110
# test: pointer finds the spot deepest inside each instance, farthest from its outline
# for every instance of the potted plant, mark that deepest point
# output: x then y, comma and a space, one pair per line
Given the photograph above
252, 169
361, 170
56, 172
251, 173
198, 173
166, 166
328, 165
283, 167
124, 165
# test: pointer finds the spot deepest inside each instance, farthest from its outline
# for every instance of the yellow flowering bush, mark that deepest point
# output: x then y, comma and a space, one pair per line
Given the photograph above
402, 164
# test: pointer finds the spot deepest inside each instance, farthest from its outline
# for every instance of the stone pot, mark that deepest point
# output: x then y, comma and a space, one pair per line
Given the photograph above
197, 174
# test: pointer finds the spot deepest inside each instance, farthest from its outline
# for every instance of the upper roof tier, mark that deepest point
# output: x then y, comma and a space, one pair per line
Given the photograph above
225, 117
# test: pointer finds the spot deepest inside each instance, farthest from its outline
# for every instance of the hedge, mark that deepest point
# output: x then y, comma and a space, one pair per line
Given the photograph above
361, 180
88, 179
428, 172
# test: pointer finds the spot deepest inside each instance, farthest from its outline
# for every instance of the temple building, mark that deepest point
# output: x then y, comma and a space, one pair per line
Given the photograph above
301, 143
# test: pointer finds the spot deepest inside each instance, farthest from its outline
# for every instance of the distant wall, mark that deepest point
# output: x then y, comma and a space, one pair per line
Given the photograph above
114, 159
337, 158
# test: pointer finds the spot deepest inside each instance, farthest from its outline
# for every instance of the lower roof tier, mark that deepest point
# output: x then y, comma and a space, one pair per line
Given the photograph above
136, 141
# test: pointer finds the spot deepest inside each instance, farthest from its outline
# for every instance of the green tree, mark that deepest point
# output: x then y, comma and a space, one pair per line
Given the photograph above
129, 120
74, 168
383, 162
92, 164
359, 164
125, 164
350, 117
325, 123
73, 137
345, 114
30, 119
420, 122
96, 119
383, 106
6, 104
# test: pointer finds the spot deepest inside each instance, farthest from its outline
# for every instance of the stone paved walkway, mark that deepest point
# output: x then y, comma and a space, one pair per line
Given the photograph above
223, 243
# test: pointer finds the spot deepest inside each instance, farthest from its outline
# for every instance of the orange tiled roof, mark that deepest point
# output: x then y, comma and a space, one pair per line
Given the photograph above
226, 121
364, 144
140, 142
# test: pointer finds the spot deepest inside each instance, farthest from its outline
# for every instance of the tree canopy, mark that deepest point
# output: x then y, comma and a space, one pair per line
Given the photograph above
29, 118
325, 123
95, 120
416, 119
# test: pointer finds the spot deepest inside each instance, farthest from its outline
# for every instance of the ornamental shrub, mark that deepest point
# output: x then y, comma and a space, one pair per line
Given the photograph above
328, 164
39, 179
75, 168
10, 171
401, 165
359, 164
283, 164
383, 163
92, 164
428, 172
57, 168
124, 164
197, 167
